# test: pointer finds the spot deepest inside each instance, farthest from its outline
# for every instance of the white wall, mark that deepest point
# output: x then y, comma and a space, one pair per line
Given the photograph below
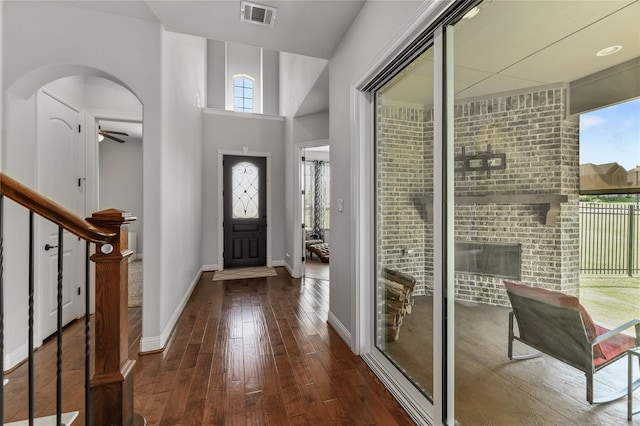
226, 59
183, 83
71, 89
312, 127
38, 38
106, 98
298, 75
233, 131
243, 59
361, 46
121, 181
216, 69
1, 82
270, 82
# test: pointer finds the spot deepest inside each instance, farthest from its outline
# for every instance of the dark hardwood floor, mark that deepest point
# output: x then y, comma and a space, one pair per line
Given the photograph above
244, 352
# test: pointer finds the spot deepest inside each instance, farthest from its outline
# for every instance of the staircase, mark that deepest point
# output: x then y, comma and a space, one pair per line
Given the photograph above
108, 371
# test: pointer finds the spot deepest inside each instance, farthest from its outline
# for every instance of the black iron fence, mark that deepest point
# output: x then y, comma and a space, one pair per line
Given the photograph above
609, 238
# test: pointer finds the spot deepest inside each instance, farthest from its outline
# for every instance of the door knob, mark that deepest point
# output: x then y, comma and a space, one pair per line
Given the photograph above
48, 247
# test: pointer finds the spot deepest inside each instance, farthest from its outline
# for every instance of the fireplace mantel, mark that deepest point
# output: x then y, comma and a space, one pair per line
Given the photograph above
551, 201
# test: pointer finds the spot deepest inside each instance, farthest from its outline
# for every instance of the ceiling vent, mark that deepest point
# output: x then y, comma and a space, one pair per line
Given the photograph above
257, 13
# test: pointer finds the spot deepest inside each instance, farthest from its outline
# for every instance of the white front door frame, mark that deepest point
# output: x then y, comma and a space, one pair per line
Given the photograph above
246, 153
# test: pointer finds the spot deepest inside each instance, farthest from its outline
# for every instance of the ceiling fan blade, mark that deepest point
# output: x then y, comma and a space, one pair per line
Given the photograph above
113, 138
114, 133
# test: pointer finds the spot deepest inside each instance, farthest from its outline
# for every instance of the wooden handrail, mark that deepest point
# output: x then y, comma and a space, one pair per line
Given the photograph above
52, 211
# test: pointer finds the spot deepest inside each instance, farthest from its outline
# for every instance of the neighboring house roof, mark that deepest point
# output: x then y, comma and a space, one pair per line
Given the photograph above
605, 176
600, 169
633, 176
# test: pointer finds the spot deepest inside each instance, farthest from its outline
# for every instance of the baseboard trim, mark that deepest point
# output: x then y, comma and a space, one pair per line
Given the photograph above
339, 327
149, 345
15, 358
288, 268
158, 343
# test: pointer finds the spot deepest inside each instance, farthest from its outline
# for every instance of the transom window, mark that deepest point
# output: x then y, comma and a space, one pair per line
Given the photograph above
243, 93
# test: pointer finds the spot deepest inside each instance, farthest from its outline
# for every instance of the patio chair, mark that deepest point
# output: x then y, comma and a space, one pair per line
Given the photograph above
558, 325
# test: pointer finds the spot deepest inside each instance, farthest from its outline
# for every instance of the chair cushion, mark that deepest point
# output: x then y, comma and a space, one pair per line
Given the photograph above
556, 298
612, 347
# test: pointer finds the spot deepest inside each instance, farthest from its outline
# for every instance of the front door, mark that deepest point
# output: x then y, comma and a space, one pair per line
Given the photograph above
245, 211
60, 172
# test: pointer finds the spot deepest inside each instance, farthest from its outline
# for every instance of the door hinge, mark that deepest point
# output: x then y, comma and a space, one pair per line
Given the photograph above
79, 182
302, 192
303, 159
303, 226
79, 128
303, 258
79, 291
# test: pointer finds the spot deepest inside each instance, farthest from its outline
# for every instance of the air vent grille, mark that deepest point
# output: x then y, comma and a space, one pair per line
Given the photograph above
257, 13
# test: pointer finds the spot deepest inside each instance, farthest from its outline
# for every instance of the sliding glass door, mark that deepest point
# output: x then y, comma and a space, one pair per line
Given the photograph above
404, 243
478, 181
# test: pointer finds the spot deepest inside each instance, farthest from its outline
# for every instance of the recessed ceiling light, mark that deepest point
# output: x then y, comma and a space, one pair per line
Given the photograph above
609, 50
473, 12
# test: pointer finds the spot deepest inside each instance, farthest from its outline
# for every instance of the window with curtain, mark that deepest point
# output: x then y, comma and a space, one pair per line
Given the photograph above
317, 211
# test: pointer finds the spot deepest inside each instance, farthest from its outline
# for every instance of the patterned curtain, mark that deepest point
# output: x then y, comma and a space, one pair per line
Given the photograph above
319, 197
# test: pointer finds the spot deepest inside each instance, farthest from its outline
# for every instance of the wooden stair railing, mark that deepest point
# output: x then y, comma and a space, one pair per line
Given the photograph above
109, 388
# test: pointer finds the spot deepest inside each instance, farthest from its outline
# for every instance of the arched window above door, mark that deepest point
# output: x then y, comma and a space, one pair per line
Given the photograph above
243, 93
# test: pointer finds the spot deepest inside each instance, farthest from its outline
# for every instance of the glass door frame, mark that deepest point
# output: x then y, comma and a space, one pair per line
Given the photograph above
436, 17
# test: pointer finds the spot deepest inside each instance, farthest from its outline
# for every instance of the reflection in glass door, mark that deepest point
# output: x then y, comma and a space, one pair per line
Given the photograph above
404, 231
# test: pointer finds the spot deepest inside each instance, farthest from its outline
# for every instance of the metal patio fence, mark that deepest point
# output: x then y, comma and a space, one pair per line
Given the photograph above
609, 239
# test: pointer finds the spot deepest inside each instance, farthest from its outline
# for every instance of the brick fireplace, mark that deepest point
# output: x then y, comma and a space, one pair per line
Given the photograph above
532, 202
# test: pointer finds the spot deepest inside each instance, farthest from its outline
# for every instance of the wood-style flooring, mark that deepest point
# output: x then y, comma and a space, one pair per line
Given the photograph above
316, 269
244, 352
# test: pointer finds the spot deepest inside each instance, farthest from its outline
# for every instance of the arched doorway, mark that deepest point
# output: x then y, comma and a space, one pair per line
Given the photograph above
52, 126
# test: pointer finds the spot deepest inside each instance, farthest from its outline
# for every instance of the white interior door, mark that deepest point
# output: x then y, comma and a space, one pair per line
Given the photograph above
60, 178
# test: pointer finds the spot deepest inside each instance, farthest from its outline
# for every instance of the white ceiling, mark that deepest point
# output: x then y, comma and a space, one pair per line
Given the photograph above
306, 27
509, 45
512, 45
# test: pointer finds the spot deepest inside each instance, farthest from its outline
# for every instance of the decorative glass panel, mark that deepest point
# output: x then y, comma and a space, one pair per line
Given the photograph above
245, 185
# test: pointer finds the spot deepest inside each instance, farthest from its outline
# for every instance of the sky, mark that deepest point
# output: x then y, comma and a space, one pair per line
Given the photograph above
611, 135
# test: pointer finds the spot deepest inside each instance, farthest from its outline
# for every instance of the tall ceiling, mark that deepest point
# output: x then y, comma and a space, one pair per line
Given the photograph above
306, 27
511, 45
508, 45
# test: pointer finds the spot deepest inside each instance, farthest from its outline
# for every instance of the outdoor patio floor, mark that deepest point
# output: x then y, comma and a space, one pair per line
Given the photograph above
491, 389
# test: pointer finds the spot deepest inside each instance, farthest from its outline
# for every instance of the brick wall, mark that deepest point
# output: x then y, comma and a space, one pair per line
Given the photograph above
403, 164
542, 157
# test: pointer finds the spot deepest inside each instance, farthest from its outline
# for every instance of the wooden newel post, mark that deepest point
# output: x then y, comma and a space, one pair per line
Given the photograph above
112, 379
